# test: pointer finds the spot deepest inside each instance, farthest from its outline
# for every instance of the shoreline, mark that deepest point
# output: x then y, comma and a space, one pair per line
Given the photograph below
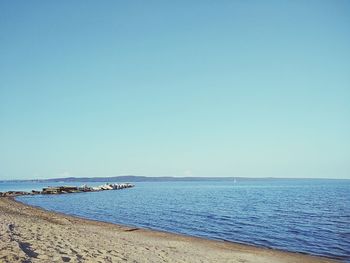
32, 234
134, 228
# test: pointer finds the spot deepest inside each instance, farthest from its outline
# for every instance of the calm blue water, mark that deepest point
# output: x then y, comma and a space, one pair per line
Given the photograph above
311, 216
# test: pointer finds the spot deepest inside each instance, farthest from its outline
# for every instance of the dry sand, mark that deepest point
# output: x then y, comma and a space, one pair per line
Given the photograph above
29, 234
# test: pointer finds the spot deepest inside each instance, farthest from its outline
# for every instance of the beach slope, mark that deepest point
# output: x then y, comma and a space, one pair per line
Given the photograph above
29, 234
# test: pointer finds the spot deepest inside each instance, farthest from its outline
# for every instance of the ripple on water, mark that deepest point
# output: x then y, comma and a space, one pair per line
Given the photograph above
293, 215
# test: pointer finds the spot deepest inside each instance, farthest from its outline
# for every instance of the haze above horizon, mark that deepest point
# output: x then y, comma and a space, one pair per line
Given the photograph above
185, 88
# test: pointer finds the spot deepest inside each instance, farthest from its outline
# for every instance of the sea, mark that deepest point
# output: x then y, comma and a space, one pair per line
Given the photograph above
310, 216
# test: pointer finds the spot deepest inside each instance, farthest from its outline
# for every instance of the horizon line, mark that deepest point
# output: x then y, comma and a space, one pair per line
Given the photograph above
175, 177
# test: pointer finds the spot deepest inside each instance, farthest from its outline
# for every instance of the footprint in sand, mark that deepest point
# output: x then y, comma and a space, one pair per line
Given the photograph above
66, 259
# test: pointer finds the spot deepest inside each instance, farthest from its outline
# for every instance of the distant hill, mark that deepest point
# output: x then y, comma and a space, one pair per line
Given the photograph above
133, 178
124, 178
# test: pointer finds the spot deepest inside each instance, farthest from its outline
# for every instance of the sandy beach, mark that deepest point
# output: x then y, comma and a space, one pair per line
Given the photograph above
30, 234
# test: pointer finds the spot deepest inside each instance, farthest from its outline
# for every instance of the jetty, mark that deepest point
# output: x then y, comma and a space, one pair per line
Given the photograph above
51, 190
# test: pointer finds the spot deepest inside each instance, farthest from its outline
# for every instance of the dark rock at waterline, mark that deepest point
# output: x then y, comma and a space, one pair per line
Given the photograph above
60, 190
67, 189
14, 193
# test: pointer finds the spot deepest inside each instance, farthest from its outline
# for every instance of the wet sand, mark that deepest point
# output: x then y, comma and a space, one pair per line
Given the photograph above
30, 234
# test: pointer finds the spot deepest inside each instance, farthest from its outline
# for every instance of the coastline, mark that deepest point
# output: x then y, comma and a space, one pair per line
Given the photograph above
32, 234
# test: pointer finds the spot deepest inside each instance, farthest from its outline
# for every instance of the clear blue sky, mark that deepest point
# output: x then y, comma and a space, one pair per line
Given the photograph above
174, 88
